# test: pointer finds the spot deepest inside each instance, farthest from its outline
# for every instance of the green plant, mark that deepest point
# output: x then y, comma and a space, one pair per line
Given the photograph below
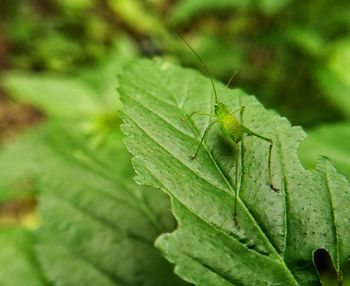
331, 140
280, 231
97, 226
94, 226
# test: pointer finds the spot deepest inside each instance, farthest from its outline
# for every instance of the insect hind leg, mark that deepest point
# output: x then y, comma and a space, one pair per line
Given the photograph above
238, 179
235, 215
252, 133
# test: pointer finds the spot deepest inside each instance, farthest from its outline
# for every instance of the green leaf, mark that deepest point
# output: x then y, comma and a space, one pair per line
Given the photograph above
307, 40
185, 10
278, 232
18, 265
95, 220
56, 96
97, 224
89, 98
331, 140
85, 95
334, 79
102, 78
19, 164
136, 15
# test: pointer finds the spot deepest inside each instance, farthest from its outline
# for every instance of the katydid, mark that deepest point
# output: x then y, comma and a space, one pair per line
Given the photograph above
231, 128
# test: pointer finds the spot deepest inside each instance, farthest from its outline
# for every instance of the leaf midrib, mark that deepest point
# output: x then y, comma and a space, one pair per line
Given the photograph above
334, 226
286, 193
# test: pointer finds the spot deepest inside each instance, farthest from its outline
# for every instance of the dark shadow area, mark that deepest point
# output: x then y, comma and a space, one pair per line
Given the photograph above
227, 148
325, 268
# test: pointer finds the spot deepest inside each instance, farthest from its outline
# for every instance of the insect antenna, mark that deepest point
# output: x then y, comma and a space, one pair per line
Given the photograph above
203, 65
231, 78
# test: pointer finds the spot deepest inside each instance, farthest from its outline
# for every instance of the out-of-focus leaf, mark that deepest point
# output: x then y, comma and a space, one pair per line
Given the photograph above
18, 265
88, 97
19, 165
76, 4
335, 79
97, 224
103, 77
137, 16
89, 93
56, 96
307, 40
55, 51
185, 10
278, 231
95, 220
271, 6
222, 57
333, 141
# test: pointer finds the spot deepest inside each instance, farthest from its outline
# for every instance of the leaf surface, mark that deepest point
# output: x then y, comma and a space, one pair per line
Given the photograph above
277, 232
334, 79
18, 264
56, 96
97, 224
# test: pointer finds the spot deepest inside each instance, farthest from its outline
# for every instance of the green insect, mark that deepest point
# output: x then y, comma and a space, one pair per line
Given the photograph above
232, 129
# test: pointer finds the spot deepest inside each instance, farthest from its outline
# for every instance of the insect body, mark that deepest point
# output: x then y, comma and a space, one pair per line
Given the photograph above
231, 128
229, 124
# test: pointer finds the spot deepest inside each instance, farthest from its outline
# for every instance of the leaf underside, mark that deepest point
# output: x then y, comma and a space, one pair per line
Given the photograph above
277, 232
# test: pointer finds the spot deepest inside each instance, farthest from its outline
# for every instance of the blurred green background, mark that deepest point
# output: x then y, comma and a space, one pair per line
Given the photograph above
59, 60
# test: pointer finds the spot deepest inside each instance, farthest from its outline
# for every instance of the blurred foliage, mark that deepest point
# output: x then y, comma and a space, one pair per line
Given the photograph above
55, 35
331, 140
59, 60
17, 259
281, 50
277, 53
87, 100
334, 77
93, 217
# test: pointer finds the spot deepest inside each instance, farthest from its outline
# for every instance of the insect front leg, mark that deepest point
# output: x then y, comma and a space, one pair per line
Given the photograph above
197, 113
241, 109
204, 134
252, 133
